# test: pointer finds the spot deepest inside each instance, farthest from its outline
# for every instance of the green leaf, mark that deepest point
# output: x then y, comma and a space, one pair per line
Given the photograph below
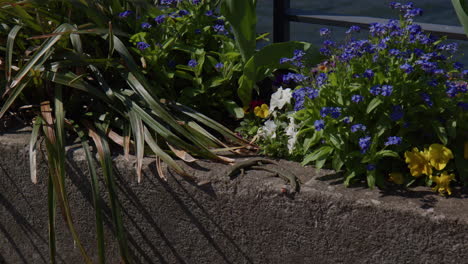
9, 50
386, 153
371, 175
440, 131
234, 109
461, 8
241, 14
318, 154
97, 200
32, 148
105, 159
43, 49
337, 162
373, 104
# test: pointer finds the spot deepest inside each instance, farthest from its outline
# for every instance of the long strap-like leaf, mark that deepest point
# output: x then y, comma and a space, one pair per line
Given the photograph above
33, 147
106, 164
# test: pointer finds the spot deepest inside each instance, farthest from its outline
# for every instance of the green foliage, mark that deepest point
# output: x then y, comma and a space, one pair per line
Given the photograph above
74, 65
242, 16
371, 102
461, 8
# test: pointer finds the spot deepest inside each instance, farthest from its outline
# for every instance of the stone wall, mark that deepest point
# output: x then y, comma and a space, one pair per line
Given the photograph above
245, 220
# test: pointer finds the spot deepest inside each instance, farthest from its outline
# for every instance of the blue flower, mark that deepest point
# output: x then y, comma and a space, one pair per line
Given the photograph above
160, 19
358, 127
414, 29
368, 74
357, 98
284, 60
324, 31
386, 90
413, 12
209, 13
451, 47
145, 25
427, 99
198, 31
196, 2
394, 52
219, 66
346, 120
219, 29
321, 79
319, 124
328, 43
125, 14
192, 63
298, 55
325, 51
353, 29
377, 29
296, 77
407, 68
375, 90
393, 141
370, 167
300, 94
364, 144
397, 113
183, 12
334, 112
395, 5
458, 66
142, 45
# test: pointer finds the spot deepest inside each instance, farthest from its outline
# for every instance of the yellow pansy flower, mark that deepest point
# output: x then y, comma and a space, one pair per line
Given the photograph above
439, 156
443, 182
261, 111
396, 177
418, 162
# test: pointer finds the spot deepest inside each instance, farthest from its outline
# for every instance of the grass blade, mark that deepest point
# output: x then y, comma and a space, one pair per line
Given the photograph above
106, 164
32, 148
96, 196
45, 47
163, 155
11, 99
139, 136
226, 132
9, 50
51, 205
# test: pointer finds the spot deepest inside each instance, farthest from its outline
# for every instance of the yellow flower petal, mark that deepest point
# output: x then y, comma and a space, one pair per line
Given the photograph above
443, 183
439, 156
417, 162
261, 111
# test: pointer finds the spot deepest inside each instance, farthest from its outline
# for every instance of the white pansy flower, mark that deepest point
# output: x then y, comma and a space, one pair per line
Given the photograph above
280, 98
268, 130
291, 132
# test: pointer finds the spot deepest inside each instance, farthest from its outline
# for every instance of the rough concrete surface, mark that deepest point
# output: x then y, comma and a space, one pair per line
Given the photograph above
246, 220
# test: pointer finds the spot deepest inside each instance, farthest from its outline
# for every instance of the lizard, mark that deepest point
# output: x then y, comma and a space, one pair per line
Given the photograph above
255, 163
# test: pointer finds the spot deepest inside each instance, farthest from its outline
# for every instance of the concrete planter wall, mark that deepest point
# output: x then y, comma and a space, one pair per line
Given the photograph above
247, 220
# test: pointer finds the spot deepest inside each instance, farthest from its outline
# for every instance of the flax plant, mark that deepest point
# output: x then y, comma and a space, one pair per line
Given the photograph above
69, 62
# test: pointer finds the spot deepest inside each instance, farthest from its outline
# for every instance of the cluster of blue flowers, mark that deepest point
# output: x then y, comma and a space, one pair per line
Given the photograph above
334, 112
300, 94
384, 90
296, 60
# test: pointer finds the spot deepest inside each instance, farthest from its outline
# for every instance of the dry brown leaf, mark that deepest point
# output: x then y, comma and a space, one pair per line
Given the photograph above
182, 154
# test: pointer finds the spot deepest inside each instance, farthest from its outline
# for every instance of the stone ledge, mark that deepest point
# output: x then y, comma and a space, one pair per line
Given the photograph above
246, 220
